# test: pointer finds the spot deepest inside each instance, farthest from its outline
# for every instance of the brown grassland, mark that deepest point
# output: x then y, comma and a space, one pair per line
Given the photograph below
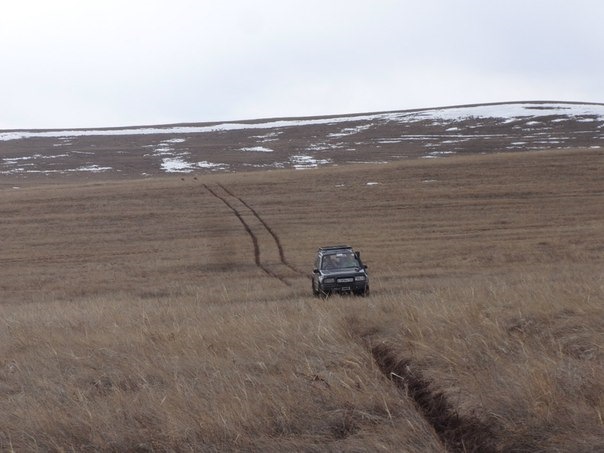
175, 314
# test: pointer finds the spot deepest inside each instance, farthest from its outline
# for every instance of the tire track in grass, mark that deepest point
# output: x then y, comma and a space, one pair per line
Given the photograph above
250, 232
458, 433
268, 228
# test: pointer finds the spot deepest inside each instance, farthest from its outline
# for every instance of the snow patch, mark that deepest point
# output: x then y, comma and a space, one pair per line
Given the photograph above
210, 165
270, 137
325, 146
179, 165
437, 154
510, 112
350, 131
257, 149
302, 162
176, 165
92, 168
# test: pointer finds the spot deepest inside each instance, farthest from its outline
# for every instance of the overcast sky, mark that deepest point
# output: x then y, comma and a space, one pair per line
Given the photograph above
75, 63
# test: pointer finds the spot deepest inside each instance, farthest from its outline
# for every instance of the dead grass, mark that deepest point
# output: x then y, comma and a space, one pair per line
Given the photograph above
524, 359
178, 374
133, 315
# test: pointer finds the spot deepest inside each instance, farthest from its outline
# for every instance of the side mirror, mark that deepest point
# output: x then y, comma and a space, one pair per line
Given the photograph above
315, 271
365, 266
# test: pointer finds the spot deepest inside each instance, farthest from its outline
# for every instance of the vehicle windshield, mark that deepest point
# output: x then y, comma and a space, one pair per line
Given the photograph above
344, 260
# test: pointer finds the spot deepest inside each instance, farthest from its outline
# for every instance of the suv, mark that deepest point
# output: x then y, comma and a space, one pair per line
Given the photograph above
338, 269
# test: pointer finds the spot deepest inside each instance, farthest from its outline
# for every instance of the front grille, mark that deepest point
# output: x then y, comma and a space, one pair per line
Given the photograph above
346, 280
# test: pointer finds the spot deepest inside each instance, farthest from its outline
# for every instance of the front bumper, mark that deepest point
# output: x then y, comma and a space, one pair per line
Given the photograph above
344, 287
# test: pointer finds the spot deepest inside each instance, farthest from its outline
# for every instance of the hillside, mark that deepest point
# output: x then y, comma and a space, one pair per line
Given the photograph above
152, 306
299, 143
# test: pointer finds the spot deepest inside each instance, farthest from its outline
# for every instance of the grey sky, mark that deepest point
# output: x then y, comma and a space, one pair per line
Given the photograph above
70, 63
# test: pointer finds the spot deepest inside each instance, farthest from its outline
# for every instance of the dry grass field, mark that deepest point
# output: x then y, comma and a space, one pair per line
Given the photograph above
175, 314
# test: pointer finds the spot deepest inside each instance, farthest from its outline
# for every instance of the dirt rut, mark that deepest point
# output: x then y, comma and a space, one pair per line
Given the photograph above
459, 433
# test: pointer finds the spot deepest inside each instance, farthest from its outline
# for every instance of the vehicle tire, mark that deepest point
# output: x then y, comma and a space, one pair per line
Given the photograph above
363, 292
315, 292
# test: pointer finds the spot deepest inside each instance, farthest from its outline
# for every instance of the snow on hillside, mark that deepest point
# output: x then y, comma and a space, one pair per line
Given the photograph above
304, 142
509, 112
505, 112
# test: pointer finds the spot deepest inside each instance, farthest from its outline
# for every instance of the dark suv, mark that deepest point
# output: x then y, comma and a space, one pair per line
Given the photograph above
339, 269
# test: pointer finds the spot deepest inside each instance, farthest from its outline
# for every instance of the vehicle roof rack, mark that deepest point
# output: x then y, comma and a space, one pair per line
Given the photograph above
335, 247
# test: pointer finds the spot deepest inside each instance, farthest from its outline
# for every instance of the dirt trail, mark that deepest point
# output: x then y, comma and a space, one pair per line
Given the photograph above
268, 251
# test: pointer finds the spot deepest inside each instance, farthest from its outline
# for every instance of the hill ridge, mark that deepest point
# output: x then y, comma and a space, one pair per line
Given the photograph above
302, 142
300, 117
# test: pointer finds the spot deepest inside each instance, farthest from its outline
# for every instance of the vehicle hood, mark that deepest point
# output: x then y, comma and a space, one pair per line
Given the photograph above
336, 272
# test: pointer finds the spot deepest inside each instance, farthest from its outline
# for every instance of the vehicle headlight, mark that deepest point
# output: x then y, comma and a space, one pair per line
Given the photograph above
360, 278
329, 280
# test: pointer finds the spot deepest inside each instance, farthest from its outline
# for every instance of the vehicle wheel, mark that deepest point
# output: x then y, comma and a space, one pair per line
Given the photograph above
315, 292
322, 294
363, 292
